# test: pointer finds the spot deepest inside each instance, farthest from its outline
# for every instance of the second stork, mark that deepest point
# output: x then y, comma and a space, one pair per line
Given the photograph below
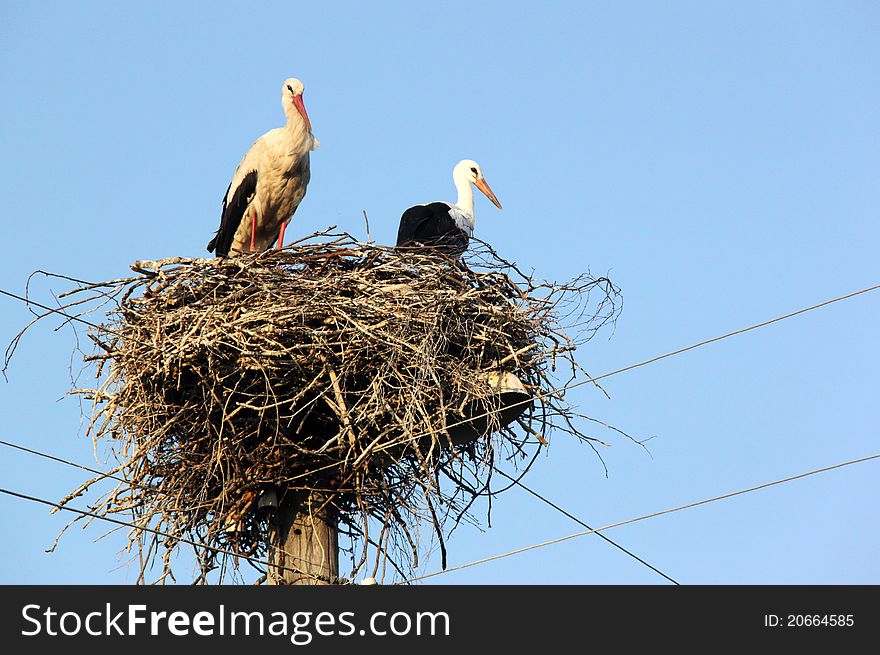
442, 225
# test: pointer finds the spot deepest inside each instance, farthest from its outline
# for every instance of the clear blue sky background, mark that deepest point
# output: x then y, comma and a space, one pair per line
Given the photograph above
719, 160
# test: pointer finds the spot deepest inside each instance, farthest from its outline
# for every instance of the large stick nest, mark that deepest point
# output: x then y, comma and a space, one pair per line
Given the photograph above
332, 368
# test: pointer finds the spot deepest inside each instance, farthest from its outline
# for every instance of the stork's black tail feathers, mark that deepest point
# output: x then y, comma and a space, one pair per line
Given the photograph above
232, 215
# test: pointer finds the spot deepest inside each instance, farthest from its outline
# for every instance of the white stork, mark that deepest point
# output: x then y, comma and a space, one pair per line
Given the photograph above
442, 225
269, 183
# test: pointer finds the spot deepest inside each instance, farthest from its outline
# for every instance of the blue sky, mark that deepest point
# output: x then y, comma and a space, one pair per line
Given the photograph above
720, 161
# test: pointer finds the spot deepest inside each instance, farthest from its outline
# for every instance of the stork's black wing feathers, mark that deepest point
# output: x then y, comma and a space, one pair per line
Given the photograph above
431, 225
412, 223
233, 213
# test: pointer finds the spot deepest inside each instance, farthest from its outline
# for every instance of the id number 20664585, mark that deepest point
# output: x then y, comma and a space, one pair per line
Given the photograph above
809, 620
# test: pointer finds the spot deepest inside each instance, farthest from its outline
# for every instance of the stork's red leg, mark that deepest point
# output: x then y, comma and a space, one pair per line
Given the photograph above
281, 235
253, 230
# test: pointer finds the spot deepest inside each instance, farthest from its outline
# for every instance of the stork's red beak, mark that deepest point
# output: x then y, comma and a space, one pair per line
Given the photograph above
301, 108
483, 186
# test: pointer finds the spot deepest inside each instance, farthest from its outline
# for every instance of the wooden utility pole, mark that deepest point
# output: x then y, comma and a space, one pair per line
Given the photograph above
303, 543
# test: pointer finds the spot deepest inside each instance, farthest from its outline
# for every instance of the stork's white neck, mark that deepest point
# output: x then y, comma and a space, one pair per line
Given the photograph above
465, 197
297, 126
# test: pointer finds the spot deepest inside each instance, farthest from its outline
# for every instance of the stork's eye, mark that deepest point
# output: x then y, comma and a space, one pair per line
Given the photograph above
474, 171
290, 88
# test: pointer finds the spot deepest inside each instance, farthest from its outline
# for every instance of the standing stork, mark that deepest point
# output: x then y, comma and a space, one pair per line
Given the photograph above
442, 225
269, 183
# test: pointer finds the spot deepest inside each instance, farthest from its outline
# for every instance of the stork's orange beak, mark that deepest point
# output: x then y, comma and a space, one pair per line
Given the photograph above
298, 101
483, 186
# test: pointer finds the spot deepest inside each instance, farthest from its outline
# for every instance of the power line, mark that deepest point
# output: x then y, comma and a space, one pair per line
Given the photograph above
500, 472
131, 525
63, 461
28, 301
184, 540
123, 523
729, 334
578, 521
642, 518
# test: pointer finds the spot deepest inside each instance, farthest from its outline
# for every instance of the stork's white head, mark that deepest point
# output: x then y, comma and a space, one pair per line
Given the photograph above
291, 98
467, 171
